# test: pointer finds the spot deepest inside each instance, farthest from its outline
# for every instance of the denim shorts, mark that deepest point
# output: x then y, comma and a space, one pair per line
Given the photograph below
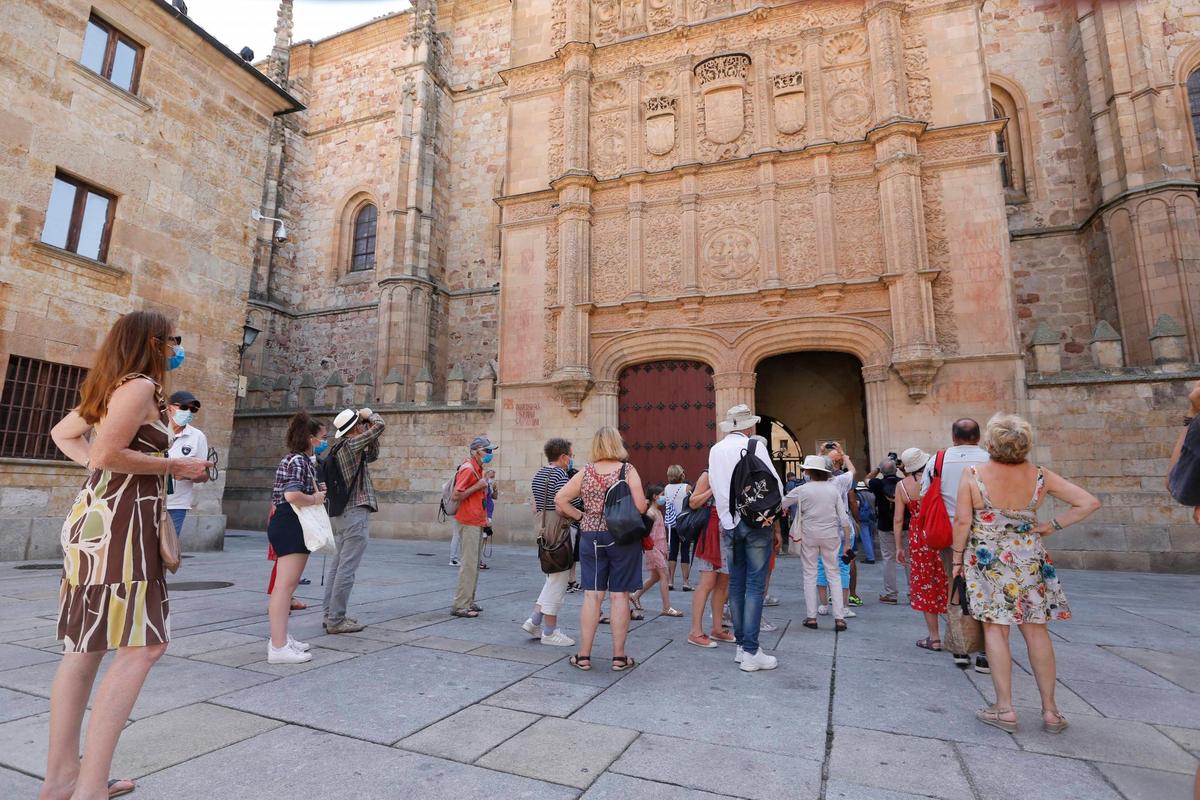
608, 567
726, 556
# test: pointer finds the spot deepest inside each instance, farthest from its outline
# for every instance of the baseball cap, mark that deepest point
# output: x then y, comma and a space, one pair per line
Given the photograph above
182, 398
483, 443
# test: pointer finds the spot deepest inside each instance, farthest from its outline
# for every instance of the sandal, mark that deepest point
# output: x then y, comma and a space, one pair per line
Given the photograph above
671, 612
688, 588
636, 616
484, 566
810, 623
1058, 726
701, 641
476, 608
604, 620
465, 612
583, 663
625, 662
636, 603
929, 643
296, 606
991, 716
115, 791
839, 625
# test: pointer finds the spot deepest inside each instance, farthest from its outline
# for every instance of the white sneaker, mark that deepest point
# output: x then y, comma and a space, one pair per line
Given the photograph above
823, 611
286, 655
849, 613
766, 627
740, 655
454, 562
558, 639
760, 660
533, 630
295, 644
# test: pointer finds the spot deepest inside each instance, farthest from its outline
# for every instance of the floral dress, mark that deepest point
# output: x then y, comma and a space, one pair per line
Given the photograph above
928, 588
1010, 577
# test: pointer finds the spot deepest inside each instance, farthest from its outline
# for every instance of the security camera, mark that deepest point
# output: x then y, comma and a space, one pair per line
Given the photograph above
281, 234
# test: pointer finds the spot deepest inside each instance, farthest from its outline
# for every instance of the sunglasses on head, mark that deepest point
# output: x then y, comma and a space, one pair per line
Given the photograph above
172, 339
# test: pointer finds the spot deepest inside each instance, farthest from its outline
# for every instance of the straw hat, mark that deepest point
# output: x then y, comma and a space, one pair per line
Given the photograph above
914, 460
816, 463
739, 418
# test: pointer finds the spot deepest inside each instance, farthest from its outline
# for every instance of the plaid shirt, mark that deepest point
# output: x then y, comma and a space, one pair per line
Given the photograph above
295, 473
349, 456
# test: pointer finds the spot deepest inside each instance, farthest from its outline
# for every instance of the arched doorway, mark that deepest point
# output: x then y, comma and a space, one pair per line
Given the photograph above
818, 396
666, 412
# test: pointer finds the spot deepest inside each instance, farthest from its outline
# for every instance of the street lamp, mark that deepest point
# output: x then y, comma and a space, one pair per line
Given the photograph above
249, 334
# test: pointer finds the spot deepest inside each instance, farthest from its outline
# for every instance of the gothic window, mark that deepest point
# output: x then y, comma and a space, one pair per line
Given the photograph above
1193, 95
1010, 143
362, 254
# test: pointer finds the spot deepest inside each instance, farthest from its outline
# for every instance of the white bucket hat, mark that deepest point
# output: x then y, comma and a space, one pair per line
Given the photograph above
739, 418
914, 459
816, 463
346, 419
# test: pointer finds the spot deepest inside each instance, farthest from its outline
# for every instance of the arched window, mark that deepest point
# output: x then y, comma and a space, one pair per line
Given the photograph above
1012, 142
362, 254
1193, 95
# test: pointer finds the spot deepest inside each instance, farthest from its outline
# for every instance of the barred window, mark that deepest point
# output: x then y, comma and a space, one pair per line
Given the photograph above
362, 257
37, 394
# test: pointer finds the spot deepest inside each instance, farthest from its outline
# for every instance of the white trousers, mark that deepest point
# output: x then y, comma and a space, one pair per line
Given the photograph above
554, 591
829, 551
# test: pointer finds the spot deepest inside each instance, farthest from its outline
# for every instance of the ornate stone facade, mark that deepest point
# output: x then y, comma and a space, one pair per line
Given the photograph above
724, 181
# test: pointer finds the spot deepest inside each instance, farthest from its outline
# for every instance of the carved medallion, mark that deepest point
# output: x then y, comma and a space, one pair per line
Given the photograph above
660, 81
660, 125
607, 94
730, 253
789, 102
845, 46
723, 84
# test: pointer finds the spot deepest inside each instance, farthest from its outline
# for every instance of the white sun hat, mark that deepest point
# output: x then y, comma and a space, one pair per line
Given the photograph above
816, 463
739, 418
344, 422
914, 459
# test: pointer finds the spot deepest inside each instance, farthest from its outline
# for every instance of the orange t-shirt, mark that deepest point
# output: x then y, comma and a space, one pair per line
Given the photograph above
471, 510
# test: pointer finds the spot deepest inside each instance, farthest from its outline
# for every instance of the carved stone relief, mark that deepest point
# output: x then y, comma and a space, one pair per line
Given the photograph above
797, 237
938, 247
616, 19
558, 23
660, 124
859, 234
845, 47
730, 253
610, 261
789, 101
550, 335
608, 145
723, 88
849, 102
607, 95
916, 67
660, 82
787, 57
663, 269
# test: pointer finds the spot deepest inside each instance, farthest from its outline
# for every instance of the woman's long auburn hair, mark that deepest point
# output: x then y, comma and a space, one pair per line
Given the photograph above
135, 344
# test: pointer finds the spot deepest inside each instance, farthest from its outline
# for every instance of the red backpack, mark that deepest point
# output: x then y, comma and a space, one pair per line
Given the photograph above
935, 520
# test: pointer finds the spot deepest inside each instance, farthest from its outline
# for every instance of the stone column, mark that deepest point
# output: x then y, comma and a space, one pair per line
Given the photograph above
687, 109
572, 379
576, 76
733, 388
814, 86
767, 232
579, 21
633, 85
637, 210
607, 396
827, 266
887, 60
690, 236
764, 131
875, 379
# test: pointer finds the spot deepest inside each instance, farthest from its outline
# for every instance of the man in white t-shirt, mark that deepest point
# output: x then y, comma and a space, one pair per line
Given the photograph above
965, 453
189, 441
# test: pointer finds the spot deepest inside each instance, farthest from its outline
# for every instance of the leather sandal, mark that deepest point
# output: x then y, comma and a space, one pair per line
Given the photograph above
991, 716
671, 612
1058, 726
583, 663
929, 643
115, 790
465, 612
839, 625
810, 623
622, 663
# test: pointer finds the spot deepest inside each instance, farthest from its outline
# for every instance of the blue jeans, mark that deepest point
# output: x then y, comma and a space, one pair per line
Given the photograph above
178, 515
751, 549
866, 532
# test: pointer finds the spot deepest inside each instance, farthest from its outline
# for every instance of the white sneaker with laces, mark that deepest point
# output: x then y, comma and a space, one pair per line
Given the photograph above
849, 613
823, 611
533, 630
295, 644
558, 639
740, 655
766, 627
760, 660
286, 655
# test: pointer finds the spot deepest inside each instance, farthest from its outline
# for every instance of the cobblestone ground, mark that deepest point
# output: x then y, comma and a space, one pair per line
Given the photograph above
421, 705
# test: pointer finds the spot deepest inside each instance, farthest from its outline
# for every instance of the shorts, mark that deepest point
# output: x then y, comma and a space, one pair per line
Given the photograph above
284, 532
726, 557
843, 568
608, 567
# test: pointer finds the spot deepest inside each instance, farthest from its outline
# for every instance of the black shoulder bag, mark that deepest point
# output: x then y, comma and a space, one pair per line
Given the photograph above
554, 538
624, 521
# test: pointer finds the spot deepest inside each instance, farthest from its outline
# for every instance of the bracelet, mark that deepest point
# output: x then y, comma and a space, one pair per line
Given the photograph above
953, 550
1056, 524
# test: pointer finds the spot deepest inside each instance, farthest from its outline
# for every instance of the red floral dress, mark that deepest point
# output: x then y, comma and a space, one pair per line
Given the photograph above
928, 588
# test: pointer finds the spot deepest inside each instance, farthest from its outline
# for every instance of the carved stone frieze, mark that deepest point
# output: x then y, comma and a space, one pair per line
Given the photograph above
916, 69
845, 47
859, 233
797, 237
848, 103
550, 334
730, 253
722, 82
608, 144
789, 107
617, 19
607, 95
610, 257
558, 23
659, 125
938, 246
663, 244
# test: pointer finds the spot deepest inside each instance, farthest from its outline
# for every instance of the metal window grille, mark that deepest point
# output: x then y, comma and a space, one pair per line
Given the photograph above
37, 394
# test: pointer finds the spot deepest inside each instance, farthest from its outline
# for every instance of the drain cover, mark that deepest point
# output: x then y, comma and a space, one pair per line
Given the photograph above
197, 586
40, 566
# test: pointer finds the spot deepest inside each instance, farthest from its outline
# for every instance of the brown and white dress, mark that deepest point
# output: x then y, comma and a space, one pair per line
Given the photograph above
113, 592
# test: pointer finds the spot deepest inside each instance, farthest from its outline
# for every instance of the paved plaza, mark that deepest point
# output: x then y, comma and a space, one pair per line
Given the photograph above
421, 705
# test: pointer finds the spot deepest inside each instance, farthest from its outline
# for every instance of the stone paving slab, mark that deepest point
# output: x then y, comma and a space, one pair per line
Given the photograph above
1187, 738
1025, 693
1107, 740
13, 784
195, 644
530, 652
15, 705
561, 751
542, 696
1172, 706
622, 787
1030, 776
296, 762
841, 790
730, 771
1136, 783
1181, 669
13, 656
381, 697
469, 734
895, 762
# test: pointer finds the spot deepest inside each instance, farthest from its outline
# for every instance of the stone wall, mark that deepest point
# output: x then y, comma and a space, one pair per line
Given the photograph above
185, 159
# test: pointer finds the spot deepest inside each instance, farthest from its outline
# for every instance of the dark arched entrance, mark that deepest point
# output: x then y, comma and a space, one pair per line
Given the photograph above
666, 413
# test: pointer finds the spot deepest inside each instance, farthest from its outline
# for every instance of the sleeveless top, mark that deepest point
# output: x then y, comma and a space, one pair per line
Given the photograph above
913, 506
595, 488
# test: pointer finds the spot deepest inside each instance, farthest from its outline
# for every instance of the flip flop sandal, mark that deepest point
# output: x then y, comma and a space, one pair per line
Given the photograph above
703, 641
115, 792
811, 624
604, 620
991, 716
671, 612
582, 663
484, 566
296, 606
840, 626
928, 643
1056, 727
465, 612
622, 663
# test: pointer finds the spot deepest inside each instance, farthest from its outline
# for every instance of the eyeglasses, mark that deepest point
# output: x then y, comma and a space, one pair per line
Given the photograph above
192, 407
175, 339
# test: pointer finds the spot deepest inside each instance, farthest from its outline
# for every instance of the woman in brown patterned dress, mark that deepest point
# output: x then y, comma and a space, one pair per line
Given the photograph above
113, 596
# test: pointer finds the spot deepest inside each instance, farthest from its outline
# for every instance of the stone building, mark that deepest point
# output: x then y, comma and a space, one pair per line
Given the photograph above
865, 218
132, 149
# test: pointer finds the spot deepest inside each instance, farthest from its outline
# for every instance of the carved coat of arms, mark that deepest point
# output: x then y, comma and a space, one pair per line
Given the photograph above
723, 84
660, 125
789, 102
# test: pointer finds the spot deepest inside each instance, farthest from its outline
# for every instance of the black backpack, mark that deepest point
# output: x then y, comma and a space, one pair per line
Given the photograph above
885, 501
691, 522
338, 490
624, 521
753, 490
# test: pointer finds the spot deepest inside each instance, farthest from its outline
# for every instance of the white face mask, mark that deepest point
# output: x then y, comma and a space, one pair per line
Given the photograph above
182, 417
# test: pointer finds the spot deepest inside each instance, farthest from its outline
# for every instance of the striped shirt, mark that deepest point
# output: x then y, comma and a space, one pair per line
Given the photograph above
546, 483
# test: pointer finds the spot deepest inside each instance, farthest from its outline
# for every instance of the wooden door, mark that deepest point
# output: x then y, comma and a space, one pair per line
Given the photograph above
667, 415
